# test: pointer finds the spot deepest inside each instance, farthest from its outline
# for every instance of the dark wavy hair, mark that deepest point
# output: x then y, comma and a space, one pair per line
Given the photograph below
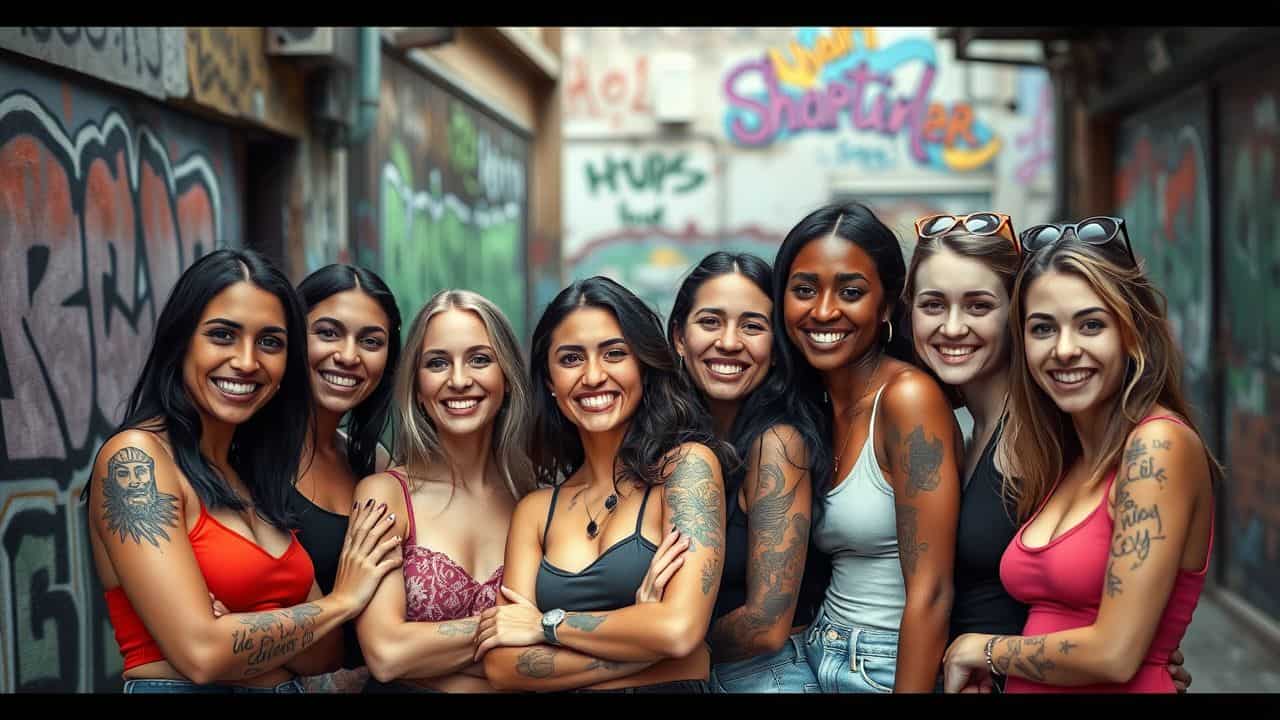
367, 421
267, 449
667, 414
856, 223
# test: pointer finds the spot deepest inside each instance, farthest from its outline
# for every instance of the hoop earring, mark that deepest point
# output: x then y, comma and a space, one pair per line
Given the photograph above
890, 323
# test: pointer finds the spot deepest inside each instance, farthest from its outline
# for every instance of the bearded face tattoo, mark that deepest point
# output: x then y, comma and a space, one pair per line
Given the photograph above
134, 506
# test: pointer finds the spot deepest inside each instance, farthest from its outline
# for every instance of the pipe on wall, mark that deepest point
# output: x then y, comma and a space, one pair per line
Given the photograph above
368, 82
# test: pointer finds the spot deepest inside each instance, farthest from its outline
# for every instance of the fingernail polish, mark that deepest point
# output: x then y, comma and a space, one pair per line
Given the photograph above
369, 503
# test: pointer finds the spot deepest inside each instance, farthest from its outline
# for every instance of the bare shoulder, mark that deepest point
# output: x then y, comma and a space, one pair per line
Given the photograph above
1159, 447
382, 486
780, 443
140, 493
911, 393
690, 461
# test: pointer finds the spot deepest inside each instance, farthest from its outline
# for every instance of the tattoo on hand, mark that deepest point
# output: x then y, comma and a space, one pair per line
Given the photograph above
536, 662
697, 503
455, 628
909, 547
583, 621
132, 503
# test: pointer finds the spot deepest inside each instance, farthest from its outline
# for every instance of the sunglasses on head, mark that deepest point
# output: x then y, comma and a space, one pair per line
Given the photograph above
1097, 231
978, 223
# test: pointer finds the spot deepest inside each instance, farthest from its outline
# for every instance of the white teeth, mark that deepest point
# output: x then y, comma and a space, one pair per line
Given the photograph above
340, 380
461, 404
596, 402
1070, 376
956, 351
235, 388
725, 368
826, 338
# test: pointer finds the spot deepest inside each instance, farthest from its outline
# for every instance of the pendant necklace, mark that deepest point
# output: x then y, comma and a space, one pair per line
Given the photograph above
610, 503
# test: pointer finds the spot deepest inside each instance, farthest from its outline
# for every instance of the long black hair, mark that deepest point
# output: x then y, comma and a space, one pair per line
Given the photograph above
366, 421
856, 223
667, 415
771, 403
266, 450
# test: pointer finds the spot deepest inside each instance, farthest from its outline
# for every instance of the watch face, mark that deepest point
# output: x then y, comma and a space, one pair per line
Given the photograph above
553, 617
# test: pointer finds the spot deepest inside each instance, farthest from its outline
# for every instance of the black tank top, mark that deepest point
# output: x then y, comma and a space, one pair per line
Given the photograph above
984, 529
608, 583
321, 533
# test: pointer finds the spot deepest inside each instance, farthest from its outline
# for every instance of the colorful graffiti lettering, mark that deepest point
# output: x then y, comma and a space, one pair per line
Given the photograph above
856, 91
95, 227
811, 51
1034, 147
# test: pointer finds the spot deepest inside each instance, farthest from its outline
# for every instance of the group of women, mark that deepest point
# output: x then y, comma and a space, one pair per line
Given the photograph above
770, 493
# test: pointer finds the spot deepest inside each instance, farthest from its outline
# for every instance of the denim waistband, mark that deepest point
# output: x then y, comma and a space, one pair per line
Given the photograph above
164, 685
791, 650
864, 641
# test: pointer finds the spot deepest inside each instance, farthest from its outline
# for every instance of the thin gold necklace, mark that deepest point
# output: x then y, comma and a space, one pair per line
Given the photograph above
849, 436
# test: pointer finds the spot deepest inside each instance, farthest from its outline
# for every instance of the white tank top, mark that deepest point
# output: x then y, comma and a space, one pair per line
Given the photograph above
858, 529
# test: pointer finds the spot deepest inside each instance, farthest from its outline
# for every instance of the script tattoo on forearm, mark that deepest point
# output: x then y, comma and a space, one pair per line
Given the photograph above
1034, 665
132, 504
536, 662
454, 628
697, 503
909, 546
1136, 526
583, 621
268, 636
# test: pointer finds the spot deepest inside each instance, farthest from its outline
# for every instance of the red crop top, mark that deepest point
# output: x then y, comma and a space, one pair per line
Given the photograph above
239, 573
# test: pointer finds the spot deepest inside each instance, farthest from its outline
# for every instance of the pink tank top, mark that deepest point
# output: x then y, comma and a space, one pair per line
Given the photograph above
1062, 582
436, 588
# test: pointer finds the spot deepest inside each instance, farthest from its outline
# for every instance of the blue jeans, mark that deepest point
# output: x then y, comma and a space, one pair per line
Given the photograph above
851, 659
784, 671
288, 687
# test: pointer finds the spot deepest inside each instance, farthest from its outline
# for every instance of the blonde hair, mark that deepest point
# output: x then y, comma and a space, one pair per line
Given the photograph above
417, 441
1039, 439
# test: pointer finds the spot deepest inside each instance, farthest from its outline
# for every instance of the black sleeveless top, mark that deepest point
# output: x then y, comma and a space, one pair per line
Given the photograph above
608, 583
984, 529
321, 533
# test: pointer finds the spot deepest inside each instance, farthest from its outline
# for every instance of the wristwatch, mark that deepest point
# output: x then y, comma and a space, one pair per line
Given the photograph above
551, 619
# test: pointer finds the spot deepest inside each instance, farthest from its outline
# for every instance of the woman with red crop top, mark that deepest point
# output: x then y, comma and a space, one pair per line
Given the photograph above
462, 404
189, 498
1113, 561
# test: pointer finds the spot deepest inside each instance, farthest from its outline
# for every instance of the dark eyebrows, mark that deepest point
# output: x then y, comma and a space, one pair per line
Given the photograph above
602, 344
611, 342
806, 277
223, 321
1040, 316
1086, 311
752, 314
849, 277
275, 329
968, 293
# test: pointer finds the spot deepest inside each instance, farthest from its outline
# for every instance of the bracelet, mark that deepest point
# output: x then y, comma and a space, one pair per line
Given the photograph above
990, 665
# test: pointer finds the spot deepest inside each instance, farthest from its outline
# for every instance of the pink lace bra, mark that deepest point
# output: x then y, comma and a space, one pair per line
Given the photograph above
436, 588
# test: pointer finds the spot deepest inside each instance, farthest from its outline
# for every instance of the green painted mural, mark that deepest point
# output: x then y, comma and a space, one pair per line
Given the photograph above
445, 198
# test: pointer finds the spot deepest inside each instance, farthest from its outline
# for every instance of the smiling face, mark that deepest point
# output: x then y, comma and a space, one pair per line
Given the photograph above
346, 349
595, 377
960, 318
834, 303
1074, 349
236, 358
726, 341
460, 383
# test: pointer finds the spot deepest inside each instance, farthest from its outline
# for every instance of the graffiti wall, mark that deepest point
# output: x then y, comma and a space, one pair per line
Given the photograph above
782, 120
441, 197
1249, 192
1162, 192
147, 59
231, 73
103, 201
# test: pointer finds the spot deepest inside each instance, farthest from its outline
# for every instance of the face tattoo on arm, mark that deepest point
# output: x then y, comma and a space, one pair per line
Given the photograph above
133, 504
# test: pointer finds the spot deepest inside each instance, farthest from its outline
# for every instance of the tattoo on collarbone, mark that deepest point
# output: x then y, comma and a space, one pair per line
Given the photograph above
454, 628
536, 662
909, 546
268, 636
697, 503
133, 506
583, 621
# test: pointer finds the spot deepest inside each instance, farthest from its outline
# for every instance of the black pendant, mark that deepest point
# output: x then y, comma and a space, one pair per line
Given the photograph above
592, 529
611, 502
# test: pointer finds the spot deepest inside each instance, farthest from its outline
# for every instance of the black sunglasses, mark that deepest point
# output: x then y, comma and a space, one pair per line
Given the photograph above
1096, 231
